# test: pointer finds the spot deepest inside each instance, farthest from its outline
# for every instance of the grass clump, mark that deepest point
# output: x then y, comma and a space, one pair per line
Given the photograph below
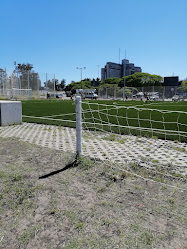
16, 192
85, 163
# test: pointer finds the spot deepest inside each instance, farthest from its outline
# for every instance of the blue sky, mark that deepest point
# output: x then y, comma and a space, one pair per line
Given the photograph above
58, 36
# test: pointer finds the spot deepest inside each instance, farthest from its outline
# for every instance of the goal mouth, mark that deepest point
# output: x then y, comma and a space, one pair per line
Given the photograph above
20, 93
133, 120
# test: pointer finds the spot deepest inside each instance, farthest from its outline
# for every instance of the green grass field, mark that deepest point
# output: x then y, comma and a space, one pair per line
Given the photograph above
158, 119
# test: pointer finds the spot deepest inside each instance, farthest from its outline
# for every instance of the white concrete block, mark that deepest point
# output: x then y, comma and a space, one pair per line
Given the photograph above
10, 112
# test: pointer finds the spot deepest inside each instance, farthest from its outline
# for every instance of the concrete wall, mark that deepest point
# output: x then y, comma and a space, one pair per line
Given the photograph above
10, 112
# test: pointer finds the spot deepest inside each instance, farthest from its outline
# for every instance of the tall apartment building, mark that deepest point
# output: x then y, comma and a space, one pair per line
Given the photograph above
112, 70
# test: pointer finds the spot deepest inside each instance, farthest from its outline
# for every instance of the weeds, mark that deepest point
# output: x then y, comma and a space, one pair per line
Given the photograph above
85, 163
179, 149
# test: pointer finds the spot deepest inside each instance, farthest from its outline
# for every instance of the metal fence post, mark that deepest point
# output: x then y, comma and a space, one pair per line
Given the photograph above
6, 82
78, 126
54, 86
38, 85
99, 93
3, 83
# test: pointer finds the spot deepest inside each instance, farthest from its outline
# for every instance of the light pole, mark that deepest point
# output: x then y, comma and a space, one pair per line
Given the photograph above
81, 68
98, 71
124, 70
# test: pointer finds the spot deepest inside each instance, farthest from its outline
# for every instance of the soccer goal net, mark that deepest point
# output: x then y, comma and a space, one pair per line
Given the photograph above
134, 120
20, 93
119, 135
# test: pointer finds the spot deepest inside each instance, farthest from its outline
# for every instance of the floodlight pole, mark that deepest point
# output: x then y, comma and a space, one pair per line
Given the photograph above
54, 85
46, 83
3, 83
81, 68
28, 81
98, 71
38, 85
6, 81
124, 69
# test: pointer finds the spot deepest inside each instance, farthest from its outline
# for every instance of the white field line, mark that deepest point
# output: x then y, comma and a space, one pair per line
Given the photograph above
53, 119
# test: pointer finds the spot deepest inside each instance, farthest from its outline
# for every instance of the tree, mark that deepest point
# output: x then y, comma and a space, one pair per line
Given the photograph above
63, 84
183, 86
24, 67
113, 81
24, 71
86, 79
78, 85
50, 84
142, 79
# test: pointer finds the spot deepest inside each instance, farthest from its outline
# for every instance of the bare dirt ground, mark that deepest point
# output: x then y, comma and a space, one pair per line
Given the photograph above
89, 204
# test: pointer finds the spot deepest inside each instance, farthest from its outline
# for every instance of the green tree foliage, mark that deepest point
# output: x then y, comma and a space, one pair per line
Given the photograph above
24, 67
142, 80
50, 84
33, 80
62, 84
58, 87
78, 85
23, 71
183, 86
113, 81
134, 80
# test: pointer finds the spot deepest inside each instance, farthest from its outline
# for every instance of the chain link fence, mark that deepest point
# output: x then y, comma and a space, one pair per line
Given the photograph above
154, 92
26, 84
31, 84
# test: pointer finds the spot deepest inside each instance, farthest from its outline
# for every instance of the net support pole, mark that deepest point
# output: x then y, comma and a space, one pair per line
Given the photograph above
78, 126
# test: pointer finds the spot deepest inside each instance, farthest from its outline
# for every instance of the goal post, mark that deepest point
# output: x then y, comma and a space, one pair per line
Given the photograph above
78, 126
20, 93
129, 120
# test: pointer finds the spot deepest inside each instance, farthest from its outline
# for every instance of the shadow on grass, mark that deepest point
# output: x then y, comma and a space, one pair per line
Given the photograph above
70, 165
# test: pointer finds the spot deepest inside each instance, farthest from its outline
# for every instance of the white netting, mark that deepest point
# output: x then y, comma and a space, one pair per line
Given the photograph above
107, 136
135, 120
109, 126
20, 93
123, 199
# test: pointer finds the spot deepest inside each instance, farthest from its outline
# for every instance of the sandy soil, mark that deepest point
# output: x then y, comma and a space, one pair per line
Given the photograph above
89, 204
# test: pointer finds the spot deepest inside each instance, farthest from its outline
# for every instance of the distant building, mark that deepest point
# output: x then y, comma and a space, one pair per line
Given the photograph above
112, 70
